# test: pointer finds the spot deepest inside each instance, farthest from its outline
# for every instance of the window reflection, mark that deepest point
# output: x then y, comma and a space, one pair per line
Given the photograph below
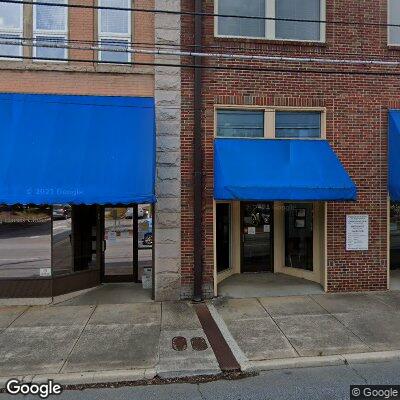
145, 244
395, 235
25, 241
62, 240
299, 236
74, 238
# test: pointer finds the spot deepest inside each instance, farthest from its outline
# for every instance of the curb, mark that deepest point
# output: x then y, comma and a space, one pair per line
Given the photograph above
86, 378
325, 361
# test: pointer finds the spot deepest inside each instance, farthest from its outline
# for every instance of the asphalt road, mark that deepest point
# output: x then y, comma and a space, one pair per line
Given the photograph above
296, 384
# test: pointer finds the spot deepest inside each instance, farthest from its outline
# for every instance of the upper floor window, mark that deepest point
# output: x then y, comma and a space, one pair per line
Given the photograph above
114, 30
11, 29
269, 123
50, 27
279, 16
240, 123
297, 125
394, 19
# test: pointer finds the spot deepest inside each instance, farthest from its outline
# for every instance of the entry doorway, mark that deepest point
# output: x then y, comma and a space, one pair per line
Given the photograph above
119, 250
257, 237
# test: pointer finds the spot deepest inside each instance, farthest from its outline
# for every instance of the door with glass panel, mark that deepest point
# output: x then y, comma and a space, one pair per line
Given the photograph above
299, 235
257, 237
119, 247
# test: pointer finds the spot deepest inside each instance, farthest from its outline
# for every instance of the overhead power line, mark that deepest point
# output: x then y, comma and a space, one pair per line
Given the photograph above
190, 13
240, 49
215, 67
178, 53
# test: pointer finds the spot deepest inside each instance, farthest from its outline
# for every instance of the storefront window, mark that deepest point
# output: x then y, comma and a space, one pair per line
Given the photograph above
74, 238
299, 236
223, 231
394, 235
240, 123
145, 244
25, 241
297, 125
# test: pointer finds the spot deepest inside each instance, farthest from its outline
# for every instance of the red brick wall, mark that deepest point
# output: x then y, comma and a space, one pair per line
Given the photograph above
90, 78
356, 106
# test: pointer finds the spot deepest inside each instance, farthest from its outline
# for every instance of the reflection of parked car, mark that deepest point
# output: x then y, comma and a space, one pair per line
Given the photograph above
61, 212
148, 239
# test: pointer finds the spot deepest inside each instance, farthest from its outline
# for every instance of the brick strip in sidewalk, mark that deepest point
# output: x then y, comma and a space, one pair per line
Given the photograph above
226, 359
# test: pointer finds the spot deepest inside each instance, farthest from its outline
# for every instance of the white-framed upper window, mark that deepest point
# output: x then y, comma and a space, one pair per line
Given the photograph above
394, 19
278, 23
286, 123
11, 30
50, 27
115, 31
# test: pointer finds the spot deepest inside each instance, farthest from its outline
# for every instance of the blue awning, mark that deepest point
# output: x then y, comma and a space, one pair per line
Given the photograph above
76, 149
394, 155
278, 170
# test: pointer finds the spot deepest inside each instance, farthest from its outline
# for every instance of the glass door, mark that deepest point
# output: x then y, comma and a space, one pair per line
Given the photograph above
257, 237
119, 244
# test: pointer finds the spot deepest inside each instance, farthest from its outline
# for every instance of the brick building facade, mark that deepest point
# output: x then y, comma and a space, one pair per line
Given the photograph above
355, 99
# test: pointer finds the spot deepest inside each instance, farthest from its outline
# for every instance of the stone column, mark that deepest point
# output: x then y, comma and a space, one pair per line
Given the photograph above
167, 251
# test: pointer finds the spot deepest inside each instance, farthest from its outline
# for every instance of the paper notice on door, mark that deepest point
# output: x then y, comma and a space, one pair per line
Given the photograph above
267, 228
251, 230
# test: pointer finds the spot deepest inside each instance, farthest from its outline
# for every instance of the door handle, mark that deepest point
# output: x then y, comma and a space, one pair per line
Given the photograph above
104, 245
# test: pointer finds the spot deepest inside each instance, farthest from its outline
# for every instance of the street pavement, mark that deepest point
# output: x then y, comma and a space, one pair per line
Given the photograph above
321, 383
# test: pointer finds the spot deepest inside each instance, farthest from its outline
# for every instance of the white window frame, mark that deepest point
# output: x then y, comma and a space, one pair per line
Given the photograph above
19, 32
269, 120
50, 33
270, 25
389, 42
114, 36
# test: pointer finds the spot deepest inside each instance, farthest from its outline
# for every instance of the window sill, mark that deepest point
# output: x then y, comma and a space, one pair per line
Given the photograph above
87, 67
275, 42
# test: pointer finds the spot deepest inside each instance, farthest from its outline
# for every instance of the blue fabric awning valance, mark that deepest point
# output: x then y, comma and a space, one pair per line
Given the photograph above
279, 170
394, 155
76, 149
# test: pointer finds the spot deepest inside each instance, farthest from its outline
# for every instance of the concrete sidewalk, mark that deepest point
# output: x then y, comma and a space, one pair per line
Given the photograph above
106, 342
313, 326
90, 343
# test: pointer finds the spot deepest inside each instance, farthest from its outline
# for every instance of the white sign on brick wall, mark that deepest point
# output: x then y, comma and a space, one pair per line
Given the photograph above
357, 232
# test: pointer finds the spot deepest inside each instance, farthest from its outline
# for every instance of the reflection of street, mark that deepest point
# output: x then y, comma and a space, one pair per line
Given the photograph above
62, 247
24, 249
119, 237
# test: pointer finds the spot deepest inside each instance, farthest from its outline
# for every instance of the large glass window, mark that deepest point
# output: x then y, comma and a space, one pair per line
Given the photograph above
275, 24
394, 19
240, 123
25, 242
299, 235
395, 235
297, 125
223, 230
11, 27
298, 10
115, 30
74, 238
50, 24
241, 26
